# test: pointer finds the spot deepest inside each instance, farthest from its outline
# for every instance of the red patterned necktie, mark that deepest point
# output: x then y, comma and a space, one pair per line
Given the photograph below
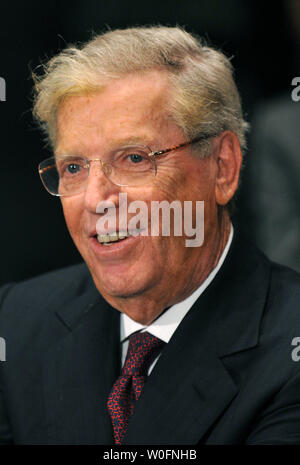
142, 350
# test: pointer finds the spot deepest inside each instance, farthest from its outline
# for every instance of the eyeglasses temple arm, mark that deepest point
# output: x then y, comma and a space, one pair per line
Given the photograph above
42, 170
184, 144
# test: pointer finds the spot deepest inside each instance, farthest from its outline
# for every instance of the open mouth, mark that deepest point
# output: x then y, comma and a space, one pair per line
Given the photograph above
109, 239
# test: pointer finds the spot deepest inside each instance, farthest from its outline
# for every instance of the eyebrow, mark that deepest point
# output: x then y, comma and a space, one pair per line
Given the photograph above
119, 143
139, 140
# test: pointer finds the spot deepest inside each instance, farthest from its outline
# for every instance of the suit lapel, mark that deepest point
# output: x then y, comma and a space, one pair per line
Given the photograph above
80, 371
186, 391
190, 387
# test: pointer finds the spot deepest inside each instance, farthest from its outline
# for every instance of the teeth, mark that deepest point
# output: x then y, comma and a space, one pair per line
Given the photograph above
106, 239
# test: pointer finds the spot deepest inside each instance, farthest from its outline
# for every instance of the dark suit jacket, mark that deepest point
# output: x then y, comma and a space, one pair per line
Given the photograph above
225, 377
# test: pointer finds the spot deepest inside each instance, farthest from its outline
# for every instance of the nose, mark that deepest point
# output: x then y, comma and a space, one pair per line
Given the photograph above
98, 186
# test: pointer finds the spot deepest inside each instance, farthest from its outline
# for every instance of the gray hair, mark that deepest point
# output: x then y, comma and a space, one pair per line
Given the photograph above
205, 99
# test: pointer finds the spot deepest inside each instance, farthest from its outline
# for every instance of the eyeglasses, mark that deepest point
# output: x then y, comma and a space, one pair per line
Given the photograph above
129, 166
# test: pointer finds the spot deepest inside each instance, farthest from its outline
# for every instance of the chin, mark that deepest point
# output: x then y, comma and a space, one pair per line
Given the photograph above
121, 285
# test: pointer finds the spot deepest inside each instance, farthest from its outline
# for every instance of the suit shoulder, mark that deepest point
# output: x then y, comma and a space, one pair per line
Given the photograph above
59, 285
30, 313
284, 279
283, 303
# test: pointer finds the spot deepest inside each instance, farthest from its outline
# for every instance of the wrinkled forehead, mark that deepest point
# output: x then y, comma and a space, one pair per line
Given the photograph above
134, 94
136, 106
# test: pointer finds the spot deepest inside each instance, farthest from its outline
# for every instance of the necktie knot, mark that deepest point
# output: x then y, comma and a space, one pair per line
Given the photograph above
142, 350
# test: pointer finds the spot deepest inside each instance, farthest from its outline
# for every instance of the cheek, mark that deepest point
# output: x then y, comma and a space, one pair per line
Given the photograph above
73, 211
187, 179
170, 184
191, 186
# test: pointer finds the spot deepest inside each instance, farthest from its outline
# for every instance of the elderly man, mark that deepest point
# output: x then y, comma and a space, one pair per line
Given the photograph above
150, 341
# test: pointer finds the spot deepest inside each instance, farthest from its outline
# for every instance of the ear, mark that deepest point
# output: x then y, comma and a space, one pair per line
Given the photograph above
229, 160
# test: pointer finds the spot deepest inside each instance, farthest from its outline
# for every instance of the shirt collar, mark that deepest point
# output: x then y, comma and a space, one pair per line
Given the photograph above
166, 324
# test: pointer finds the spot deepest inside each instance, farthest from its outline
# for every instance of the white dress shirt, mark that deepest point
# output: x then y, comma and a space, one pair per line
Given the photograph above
165, 325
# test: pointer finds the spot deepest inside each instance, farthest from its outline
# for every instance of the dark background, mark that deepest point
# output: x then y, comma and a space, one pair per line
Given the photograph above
259, 35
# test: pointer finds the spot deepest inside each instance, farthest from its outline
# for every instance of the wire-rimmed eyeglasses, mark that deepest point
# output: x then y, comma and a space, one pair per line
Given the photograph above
129, 166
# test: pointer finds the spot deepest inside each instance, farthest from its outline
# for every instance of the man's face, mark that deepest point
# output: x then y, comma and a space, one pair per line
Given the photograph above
134, 107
